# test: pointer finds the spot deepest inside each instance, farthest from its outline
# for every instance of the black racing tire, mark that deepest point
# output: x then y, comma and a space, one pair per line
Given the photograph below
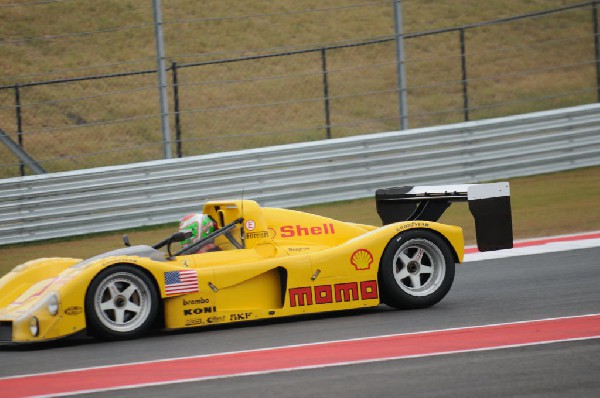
416, 270
121, 303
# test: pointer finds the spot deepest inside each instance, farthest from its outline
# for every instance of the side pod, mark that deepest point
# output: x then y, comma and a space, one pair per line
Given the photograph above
489, 204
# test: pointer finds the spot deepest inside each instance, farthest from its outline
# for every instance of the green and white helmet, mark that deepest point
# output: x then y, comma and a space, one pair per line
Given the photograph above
201, 225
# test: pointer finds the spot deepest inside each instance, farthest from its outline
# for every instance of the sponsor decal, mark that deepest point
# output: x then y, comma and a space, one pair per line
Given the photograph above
194, 322
185, 281
257, 235
291, 231
74, 310
198, 311
414, 224
361, 259
338, 293
300, 296
201, 321
240, 317
298, 249
250, 225
111, 260
196, 301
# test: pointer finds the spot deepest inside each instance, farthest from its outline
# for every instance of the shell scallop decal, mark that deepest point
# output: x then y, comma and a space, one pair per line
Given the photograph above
361, 259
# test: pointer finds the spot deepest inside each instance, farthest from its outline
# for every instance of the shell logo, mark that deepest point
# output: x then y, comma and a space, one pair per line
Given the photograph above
361, 259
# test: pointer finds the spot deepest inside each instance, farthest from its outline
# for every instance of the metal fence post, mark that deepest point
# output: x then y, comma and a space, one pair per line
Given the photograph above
176, 108
465, 88
19, 124
596, 47
400, 65
162, 83
326, 94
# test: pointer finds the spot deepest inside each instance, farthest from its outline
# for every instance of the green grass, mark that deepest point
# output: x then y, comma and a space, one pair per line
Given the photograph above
542, 205
123, 112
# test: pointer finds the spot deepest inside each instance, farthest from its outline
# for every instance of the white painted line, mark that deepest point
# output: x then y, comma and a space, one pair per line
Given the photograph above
539, 246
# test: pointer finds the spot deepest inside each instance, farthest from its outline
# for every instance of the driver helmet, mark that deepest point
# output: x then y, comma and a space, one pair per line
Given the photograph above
200, 225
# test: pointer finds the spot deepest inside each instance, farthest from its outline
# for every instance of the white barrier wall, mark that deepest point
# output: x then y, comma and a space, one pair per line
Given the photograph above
112, 198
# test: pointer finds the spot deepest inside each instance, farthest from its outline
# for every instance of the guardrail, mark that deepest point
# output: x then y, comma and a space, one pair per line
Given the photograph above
118, 197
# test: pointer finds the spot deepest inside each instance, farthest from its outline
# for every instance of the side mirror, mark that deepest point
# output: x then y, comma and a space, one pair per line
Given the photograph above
180, 236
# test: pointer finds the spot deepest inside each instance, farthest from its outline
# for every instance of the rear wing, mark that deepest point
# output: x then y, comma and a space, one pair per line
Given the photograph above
489, 204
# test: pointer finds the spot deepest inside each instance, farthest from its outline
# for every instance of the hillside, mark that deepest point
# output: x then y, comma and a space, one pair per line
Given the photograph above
515, 67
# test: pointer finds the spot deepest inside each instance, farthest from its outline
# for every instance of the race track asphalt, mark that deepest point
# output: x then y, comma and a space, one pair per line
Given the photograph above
504, 290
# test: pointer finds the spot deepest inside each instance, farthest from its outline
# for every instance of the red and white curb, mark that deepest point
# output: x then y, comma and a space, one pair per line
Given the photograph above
304, 356
538, 246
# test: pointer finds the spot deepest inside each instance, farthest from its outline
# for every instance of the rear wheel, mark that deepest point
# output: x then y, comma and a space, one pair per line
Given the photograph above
416, 271
121, 303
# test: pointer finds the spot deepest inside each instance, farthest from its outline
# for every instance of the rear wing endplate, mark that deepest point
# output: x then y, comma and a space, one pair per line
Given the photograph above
489, 204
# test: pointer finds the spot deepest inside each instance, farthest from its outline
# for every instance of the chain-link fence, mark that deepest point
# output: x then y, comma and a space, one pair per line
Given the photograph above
464, 73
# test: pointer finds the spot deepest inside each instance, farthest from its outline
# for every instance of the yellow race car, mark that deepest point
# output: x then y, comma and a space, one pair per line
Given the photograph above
269, 263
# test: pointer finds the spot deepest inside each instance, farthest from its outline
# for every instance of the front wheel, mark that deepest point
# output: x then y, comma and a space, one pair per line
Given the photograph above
121, 303
416, 270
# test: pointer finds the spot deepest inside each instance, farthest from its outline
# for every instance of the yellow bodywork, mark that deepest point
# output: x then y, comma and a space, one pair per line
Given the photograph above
292, 263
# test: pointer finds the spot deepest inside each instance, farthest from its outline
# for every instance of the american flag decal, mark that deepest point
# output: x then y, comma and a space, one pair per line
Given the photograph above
185, 281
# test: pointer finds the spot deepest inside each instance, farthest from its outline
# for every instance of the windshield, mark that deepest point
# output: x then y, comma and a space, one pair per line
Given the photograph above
138, 251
